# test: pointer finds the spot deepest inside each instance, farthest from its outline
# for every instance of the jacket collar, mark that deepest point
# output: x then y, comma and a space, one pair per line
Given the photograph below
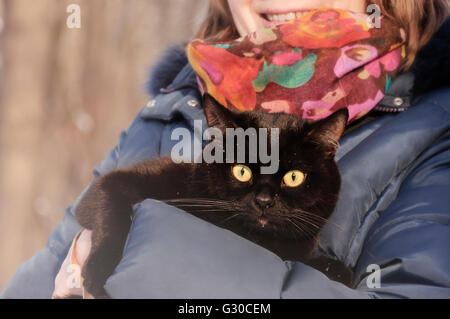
429, 72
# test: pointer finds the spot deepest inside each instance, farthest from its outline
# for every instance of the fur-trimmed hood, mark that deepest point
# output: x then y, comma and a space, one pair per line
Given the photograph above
431, 69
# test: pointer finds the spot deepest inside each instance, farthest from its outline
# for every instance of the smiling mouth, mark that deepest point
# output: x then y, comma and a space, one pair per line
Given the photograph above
284, 17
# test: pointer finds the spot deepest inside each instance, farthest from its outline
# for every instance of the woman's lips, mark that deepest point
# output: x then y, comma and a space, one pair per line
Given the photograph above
273, 19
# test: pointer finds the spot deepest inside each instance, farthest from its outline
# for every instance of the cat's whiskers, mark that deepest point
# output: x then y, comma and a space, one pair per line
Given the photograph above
306, 220
306, 230
207, 210
206, 202
293, 231
316, 223
200, 203
231, 217
200, 206
297, 228
324, 220
305, 223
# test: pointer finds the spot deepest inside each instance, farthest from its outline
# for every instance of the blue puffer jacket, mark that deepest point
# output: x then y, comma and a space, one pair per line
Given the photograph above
393, 212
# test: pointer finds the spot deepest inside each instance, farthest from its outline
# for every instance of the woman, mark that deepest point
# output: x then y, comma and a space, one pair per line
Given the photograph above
393, 211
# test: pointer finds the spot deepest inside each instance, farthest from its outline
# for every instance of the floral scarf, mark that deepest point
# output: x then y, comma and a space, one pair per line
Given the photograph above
312, 66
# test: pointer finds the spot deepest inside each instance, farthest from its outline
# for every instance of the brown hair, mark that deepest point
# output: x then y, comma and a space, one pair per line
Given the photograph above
419, 18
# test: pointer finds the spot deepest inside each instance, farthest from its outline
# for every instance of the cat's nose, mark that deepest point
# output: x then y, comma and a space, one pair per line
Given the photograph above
264, 198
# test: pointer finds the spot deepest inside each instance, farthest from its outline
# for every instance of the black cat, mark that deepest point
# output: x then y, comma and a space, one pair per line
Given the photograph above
283, 212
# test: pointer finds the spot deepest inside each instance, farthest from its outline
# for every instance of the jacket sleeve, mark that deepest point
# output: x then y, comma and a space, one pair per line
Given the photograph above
172, 254
405, 253
409, 241
35, 278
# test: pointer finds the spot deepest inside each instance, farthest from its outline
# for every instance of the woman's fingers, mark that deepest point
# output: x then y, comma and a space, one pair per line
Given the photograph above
83, 246
68, 281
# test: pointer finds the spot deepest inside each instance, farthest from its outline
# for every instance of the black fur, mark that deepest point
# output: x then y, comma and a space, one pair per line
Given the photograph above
163, 74
264, 209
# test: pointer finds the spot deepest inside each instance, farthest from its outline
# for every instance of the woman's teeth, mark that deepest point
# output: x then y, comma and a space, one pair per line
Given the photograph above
285, 16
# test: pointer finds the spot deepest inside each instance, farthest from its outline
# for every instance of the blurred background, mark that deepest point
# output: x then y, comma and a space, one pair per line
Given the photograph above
65, 96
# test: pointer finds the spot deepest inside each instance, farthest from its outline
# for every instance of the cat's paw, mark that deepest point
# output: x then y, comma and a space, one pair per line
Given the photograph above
94, 275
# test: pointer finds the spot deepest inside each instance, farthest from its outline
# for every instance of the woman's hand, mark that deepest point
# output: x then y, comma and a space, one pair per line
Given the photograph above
68, 281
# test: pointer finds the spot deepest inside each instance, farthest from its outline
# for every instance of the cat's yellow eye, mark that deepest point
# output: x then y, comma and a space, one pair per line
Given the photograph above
242, 173
294, 178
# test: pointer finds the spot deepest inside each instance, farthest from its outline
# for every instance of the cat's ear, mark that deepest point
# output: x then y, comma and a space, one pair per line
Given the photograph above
217, 115
329, 131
